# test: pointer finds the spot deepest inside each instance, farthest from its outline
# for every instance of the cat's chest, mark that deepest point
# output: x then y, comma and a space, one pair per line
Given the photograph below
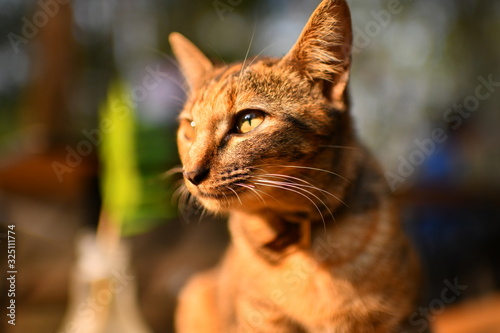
299, 287
327, 279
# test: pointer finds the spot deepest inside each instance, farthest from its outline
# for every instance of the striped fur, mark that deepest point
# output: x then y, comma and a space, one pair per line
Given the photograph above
316, 242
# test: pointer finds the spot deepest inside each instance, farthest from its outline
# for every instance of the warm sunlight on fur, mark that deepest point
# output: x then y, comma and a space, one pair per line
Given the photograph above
316, 240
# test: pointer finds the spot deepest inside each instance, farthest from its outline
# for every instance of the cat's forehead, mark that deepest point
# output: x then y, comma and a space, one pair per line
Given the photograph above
242, 85
239, 78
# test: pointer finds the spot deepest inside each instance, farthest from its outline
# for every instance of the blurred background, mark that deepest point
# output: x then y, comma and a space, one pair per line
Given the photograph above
89, 94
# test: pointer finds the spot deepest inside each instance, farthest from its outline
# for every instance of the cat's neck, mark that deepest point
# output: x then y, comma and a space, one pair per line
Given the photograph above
361, 189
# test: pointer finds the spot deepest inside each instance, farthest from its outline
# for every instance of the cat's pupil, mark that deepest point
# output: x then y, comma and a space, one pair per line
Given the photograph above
248, 118
249, 121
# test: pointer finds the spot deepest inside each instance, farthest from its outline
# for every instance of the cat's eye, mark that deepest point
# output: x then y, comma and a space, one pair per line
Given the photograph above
249, 120
187, 128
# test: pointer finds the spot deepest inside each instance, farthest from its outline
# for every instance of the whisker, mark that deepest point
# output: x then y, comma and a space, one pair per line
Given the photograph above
179, 100
300, 187
191, 200
226, 199
204, 212
201, 211
182, 85
258, 54
235, 193
184, 204
171, 172
308, 168
305, 185
310, 185
264, 173
277, 175
164, 55
264, 192
299, 193
179, 84
253, 190
217, 54
178, 191
240, 76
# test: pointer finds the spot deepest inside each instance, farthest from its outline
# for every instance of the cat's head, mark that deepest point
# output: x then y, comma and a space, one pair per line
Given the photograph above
256, 133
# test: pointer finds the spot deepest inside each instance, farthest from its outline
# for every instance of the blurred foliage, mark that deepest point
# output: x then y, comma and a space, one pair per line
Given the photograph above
130, 156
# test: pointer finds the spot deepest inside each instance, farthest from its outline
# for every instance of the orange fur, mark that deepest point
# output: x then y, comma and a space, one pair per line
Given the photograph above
316, 242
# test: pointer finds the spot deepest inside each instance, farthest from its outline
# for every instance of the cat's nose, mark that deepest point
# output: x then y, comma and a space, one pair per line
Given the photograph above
196, 176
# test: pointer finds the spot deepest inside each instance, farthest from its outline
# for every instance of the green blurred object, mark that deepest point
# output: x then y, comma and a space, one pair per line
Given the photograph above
133, 157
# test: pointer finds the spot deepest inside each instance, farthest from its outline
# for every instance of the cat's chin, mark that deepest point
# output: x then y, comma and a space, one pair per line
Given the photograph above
215, 206
224, 205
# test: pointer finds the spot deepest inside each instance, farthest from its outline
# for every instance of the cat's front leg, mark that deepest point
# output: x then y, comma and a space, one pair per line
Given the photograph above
197, 310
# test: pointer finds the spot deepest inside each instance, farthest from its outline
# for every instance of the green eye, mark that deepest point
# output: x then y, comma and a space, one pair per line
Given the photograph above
249, 120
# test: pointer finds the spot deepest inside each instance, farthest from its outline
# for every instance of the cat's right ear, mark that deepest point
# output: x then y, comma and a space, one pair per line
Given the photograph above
194, 64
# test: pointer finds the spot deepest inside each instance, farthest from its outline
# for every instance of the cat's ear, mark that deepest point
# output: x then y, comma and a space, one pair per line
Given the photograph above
194, 64
323, 50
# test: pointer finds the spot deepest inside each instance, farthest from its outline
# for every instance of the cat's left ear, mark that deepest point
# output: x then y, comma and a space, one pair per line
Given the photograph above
323, 50
194, 64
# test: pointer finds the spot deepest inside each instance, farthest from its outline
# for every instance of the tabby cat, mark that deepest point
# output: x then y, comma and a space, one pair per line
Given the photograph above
316, 242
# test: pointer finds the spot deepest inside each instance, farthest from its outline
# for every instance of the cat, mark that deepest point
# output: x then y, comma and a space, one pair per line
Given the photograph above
316, 240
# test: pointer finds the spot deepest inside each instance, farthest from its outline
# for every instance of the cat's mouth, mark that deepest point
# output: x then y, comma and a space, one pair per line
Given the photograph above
222, 195
217, 193
217, 199
217, 196
226, 186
